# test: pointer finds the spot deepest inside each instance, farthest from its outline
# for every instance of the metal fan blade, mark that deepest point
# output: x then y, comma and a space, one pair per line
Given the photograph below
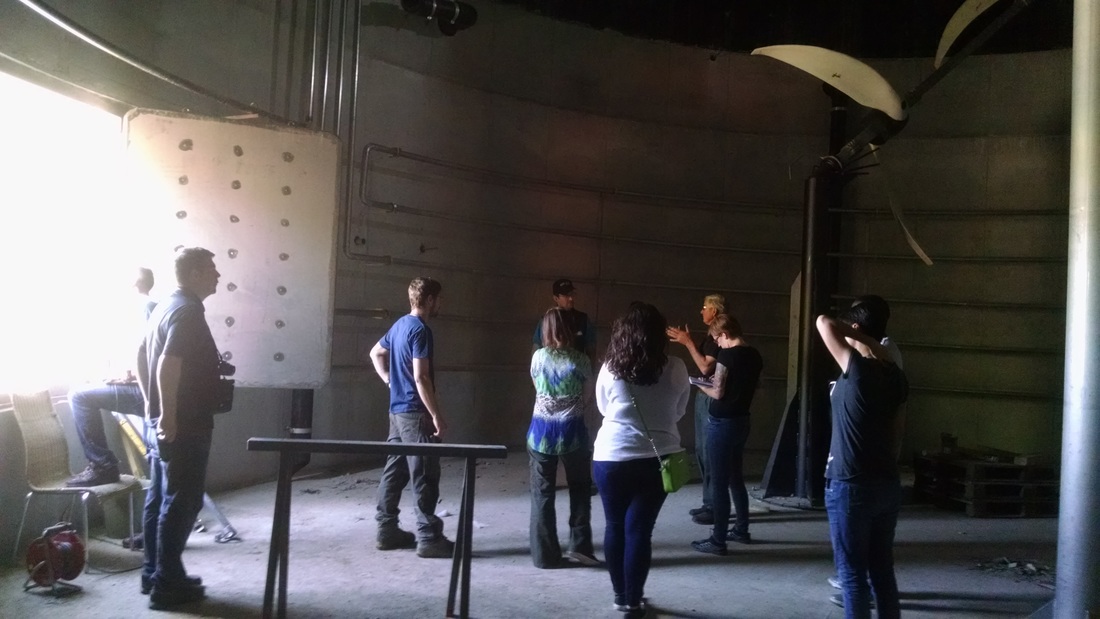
850, 76
967, 13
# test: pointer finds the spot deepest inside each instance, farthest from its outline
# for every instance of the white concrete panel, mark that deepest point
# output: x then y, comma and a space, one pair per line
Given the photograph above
263, 199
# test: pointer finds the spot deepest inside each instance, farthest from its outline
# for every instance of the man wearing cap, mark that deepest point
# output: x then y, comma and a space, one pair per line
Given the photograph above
584, 332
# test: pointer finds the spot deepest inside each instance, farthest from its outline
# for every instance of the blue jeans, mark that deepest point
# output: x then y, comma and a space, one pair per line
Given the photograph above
862, 520
632, 494
178, 474
424, 472
87, 402
545, 548
725, 456
702, 417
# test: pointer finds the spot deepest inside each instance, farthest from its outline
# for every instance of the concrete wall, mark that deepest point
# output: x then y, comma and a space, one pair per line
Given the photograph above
642, 170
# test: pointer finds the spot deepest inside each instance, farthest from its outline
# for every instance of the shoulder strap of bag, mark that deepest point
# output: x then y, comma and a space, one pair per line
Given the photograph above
649, 436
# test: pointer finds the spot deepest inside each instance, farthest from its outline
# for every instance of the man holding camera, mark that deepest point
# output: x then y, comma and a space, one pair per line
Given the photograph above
178, 370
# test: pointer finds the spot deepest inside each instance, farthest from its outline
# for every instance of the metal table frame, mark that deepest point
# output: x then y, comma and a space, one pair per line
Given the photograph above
278, 556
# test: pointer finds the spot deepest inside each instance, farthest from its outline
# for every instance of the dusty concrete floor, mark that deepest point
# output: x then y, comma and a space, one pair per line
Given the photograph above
336, 572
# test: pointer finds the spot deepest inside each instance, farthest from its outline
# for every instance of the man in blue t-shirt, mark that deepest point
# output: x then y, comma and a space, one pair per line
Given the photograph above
403, 360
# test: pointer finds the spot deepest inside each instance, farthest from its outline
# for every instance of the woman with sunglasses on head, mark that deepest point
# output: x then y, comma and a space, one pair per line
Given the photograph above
736, 374
641, 393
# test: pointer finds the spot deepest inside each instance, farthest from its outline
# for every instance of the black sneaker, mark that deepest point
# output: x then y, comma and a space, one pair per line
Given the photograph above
705, 509
710, 546
438, 548
706, 518
393, 538
163, 598
188, 581
740, 536
94, 476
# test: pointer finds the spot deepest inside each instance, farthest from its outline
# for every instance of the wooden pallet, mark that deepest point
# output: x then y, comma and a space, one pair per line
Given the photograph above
986, 489
993, 490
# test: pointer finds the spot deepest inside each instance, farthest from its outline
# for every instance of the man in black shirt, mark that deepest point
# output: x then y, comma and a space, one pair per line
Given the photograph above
178, 374
584, 332
862, 488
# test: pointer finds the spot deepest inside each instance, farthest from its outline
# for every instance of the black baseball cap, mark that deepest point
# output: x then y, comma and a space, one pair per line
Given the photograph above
563, 286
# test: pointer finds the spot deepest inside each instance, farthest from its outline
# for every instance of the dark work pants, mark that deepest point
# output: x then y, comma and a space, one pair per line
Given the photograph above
725, 453
424, 472
545, 549
632, 494
87, 404
702, 418
172, 503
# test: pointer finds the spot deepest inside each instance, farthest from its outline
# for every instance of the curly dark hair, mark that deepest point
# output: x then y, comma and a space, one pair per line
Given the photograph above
638, 350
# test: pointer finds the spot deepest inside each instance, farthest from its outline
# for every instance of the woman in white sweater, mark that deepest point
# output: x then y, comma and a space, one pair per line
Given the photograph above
638, 380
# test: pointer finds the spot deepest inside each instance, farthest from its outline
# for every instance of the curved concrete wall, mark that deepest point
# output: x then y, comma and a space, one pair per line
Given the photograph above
598, 126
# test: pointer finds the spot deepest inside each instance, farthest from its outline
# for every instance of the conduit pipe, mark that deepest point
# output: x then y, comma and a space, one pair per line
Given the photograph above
393, 207
81, 33
957, 259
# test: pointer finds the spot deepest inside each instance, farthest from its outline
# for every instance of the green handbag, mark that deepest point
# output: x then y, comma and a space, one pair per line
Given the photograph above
675, 470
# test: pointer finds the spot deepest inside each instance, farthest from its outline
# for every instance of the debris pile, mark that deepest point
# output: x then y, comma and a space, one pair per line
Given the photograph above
1027, 570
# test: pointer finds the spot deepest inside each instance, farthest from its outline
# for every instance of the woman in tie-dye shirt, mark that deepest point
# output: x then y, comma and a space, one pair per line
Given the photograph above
562, 377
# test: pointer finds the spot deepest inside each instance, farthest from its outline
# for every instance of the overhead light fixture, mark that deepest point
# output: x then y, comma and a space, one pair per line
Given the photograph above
450, 15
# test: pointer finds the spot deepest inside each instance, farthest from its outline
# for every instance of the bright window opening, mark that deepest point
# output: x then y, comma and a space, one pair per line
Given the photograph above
67, 242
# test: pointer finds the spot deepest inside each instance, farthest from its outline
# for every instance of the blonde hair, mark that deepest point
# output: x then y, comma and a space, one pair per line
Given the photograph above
724, 323
717, 301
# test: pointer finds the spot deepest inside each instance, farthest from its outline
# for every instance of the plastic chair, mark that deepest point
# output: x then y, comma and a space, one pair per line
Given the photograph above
47, 458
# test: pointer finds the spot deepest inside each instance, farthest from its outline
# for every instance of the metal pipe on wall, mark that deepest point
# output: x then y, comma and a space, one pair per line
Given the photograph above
314, 58
1077, 583
324, 8
341, 53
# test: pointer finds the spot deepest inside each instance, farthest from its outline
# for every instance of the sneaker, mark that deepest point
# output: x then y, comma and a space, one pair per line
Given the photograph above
584, 558
163, 598
699, 510
838, 599
741, 536
393, 538
706, 518
438, 548
710, 546
94, 476
834, 582
188, 581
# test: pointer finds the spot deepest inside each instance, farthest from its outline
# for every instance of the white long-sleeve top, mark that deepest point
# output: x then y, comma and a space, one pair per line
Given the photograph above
622, 436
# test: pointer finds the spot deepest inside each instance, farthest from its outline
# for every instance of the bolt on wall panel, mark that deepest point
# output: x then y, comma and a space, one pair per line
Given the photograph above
263, 199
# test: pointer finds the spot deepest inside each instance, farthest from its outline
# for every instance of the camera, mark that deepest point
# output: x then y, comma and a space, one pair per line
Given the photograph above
226, 368
223, 392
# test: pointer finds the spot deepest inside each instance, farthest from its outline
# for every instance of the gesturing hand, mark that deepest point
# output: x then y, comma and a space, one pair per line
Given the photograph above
680, 336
